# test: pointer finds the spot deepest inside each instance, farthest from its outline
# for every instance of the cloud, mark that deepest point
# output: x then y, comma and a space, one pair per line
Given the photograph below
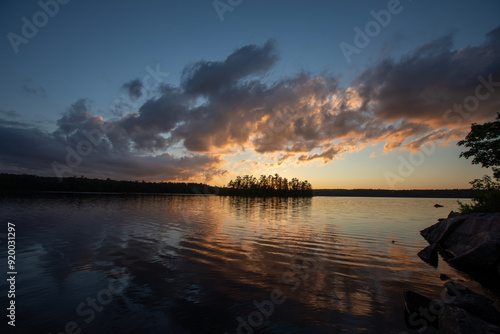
438, 135
133, 88
34, 151
395, 101
403, 103
156, 116
13, 124
9, 114
424, 84
326, 155
80, 139
73, 119
220, 107
33, 89
11, 119
254, 115
207, 78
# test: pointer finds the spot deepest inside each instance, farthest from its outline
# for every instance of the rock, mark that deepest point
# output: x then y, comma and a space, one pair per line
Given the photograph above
417, 311
439, 231
455, 289
454, 320
430, 254
464, 311
444, 277
414, 301
480, 251
473, 302
474, 305
468, 242
458, 228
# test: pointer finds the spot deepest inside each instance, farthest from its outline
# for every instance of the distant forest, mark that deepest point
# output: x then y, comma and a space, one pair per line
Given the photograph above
241, 186
271, 185
430, 193
11, 182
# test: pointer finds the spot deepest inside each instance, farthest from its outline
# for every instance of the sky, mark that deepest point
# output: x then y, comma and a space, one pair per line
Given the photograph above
357, 94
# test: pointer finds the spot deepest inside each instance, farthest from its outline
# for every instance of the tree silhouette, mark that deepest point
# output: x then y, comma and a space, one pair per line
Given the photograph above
271, 185
483, 142
13, 182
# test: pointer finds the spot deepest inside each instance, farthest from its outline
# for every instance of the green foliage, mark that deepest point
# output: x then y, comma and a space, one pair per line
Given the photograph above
276, 185
485, 196
483, 142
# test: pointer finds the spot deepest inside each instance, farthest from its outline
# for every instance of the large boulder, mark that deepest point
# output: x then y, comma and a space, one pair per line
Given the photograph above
481, 250
454, 320
472, 302
454, 289
467, 241
430, 254
459, 310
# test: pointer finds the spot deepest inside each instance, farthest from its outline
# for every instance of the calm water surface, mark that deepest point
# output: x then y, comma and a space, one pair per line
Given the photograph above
206, 264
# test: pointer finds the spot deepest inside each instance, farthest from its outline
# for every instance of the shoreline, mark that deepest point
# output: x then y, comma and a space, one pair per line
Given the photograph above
468, 243
334, 193
417, 193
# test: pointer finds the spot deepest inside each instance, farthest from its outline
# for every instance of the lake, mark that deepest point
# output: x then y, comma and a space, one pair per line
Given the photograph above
89, 263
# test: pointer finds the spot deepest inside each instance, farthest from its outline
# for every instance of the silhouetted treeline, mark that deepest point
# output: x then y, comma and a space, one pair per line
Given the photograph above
241, 186
12, 182
437, 193
271, 185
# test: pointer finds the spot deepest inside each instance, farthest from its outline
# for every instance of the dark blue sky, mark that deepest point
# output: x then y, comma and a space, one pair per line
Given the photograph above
339, 115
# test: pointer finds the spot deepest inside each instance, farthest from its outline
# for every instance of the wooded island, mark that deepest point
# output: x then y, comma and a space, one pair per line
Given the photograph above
271, 185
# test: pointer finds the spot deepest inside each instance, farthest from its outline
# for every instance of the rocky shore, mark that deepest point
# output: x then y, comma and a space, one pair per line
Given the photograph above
458, 310
469, 243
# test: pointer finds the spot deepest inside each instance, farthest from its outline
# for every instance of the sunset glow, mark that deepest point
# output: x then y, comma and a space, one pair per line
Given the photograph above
149, 107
